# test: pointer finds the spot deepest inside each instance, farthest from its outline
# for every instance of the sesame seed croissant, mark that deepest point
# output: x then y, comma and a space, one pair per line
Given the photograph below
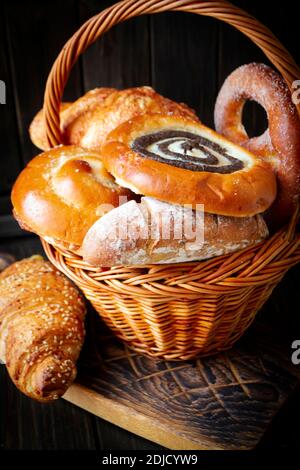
41, 328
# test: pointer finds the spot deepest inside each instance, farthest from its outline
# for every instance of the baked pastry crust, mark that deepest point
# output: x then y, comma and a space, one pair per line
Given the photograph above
41, 328
229, 180
279, 144
74, 119
62, 192
159, 232
88, 121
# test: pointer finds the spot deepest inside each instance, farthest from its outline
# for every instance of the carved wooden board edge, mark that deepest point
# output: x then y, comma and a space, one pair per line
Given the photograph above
222, 402
130, 420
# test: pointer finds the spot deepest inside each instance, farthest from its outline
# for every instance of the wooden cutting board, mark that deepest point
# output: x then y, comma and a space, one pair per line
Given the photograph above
220, 402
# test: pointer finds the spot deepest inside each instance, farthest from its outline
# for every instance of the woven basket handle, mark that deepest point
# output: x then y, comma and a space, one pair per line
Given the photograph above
126, 9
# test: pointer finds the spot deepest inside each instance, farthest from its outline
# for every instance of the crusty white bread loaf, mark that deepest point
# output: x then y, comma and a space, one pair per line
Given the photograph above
157, 232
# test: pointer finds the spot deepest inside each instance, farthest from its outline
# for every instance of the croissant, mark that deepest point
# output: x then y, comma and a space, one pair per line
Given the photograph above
41, 328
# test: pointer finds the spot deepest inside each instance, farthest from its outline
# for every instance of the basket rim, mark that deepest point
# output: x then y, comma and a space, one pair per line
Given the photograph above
253, 266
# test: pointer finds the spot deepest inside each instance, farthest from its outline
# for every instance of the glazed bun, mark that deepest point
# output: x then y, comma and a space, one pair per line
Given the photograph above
87, 121
177, 160
62, 192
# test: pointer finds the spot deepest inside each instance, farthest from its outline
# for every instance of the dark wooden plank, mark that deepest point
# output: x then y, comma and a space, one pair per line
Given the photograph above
10, 157
58, 426
35, 37
184, 60
236, 49
282, 22
9, 227
120, 58
21, 247
29, 425
5, 203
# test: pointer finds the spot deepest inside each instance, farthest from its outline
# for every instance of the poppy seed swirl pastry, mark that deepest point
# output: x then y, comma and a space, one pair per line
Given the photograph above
200, 153
62, 192
179, 161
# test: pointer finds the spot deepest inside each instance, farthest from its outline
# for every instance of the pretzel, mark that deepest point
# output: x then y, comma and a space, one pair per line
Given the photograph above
279, 144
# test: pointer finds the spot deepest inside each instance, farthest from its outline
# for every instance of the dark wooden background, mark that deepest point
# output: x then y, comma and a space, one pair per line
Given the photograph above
184, 57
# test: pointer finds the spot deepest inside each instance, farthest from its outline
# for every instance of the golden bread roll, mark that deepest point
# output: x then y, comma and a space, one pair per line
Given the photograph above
181, 161
74, 119
62, 192
87, 121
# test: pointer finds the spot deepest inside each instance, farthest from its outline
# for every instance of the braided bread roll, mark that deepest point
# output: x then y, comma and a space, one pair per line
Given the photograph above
87, 121
41, 328
62, 192
74, 118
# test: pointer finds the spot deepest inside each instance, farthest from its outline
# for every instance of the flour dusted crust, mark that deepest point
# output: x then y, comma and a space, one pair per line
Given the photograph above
88, 121
180, 161
153, 232
279, 144
62, 192
74, 118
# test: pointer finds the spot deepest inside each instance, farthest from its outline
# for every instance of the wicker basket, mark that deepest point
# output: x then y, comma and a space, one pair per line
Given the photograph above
182, 310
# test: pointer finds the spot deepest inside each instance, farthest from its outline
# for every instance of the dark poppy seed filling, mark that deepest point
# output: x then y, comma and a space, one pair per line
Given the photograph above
186, 150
